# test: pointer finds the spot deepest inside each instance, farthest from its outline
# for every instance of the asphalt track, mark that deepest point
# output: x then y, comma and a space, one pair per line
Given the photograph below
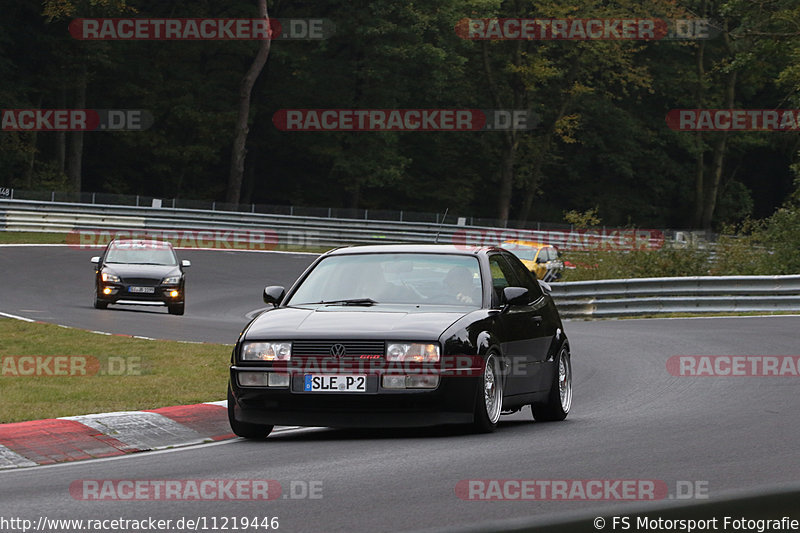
54, 284
631, 418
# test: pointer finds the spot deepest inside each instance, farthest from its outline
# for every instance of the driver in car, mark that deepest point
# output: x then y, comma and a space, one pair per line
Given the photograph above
459, 283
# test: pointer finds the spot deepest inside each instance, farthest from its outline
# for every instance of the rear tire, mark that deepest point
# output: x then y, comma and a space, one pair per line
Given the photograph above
559, 400
489, 397
245, 429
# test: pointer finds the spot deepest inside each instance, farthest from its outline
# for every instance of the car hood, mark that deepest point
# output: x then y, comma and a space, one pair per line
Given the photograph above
338, 323
142, 271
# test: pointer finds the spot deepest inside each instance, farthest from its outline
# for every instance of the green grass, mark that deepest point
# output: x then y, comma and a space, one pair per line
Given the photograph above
32, 237
154, 373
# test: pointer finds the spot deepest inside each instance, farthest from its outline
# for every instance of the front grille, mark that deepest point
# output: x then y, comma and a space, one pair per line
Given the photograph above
147, 282
323, 348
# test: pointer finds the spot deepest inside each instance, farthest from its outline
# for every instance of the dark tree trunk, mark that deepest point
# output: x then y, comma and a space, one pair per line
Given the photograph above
245, 91
511, 138
718, 159
536, 172
699, 178
75, 161
61, 137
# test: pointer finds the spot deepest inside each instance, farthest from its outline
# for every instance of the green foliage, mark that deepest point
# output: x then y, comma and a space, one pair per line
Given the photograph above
586, 219
781, 236
601, 139
756, 247
667, 262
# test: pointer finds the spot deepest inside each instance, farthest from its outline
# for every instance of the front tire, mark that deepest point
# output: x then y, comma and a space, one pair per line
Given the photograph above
559, 400
176, 309
245, 429
98, 303
489, 400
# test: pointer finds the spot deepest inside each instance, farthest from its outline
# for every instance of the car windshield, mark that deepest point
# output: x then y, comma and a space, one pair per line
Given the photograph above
403, 278
141, 254
526, 253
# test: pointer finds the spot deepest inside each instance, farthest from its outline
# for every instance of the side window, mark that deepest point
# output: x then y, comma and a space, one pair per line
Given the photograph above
502, 277
525, 277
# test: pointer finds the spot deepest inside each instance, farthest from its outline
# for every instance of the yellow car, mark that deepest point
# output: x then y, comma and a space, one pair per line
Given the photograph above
540, 258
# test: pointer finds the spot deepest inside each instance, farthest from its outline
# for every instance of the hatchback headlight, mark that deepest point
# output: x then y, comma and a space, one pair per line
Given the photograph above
108, 276
267, 351
171, 280
412, 352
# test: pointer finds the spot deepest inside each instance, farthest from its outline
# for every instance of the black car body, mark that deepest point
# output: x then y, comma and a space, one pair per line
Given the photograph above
386, 336
140, 272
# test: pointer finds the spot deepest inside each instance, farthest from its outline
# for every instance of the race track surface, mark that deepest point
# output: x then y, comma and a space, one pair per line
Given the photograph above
54, 284
631, 418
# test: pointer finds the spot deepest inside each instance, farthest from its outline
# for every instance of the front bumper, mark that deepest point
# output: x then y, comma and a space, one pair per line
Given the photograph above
452, 402
122, 292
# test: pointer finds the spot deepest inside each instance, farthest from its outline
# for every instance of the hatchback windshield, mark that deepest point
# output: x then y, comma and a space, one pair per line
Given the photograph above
141, 254
406, 278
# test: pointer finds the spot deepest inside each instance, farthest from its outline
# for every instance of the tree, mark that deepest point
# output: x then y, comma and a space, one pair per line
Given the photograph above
239, 151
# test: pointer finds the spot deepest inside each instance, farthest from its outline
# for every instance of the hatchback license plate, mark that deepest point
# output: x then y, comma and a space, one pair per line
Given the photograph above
335, 383
145, 290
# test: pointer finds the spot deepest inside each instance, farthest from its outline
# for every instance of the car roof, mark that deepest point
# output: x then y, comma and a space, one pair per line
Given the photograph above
413, 248
142, 242
532, 244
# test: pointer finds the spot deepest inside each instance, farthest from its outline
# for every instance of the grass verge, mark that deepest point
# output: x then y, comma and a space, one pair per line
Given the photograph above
101, 373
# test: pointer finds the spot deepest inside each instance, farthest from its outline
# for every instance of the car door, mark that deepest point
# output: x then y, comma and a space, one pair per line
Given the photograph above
515, 327
541, 328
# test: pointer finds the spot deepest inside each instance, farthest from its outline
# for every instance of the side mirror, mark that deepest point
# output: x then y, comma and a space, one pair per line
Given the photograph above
274, 294
185, 263
515, 296
95, 261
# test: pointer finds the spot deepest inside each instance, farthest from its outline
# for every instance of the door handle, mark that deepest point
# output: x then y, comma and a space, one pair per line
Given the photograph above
537, 320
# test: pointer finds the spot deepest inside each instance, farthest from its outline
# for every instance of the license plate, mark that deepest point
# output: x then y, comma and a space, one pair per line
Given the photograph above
144, 290
335, 383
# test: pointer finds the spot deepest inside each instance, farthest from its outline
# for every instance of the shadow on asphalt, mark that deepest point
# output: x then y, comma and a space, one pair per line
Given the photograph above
437, 432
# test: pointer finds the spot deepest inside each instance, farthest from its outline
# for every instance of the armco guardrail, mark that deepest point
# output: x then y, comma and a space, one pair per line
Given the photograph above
696, 294
27, 215
581, 299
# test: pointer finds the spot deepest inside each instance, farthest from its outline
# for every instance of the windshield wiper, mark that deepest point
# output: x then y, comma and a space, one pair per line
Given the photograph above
351, 301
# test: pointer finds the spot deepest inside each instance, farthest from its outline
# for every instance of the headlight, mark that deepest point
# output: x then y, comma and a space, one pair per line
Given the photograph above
267, 351
414, 352
107, 276
171, 280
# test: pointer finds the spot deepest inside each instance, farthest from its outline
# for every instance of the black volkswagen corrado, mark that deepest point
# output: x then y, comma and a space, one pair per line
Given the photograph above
402, 335
140, 272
